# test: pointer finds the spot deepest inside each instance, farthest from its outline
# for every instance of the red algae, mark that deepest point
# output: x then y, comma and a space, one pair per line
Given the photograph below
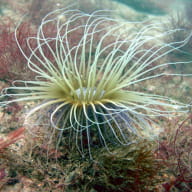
11, 138
13, 64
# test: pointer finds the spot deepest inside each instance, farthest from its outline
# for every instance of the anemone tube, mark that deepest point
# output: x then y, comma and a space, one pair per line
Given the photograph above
85, 71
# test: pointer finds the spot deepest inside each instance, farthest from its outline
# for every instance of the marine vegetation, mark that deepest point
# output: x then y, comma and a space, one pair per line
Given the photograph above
133, 168
88, 68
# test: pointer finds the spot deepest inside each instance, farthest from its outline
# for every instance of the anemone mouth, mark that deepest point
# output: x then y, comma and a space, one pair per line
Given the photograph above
87, 96
79, 96
84, 92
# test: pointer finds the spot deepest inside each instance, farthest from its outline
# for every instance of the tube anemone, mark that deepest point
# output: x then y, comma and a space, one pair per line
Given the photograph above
85, 71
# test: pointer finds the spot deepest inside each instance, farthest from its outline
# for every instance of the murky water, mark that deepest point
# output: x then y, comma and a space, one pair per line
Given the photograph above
96, 95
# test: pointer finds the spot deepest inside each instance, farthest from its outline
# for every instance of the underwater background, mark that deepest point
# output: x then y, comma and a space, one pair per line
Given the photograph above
36, 157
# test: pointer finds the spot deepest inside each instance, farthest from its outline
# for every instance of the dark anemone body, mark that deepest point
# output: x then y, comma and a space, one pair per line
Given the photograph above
101, 126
